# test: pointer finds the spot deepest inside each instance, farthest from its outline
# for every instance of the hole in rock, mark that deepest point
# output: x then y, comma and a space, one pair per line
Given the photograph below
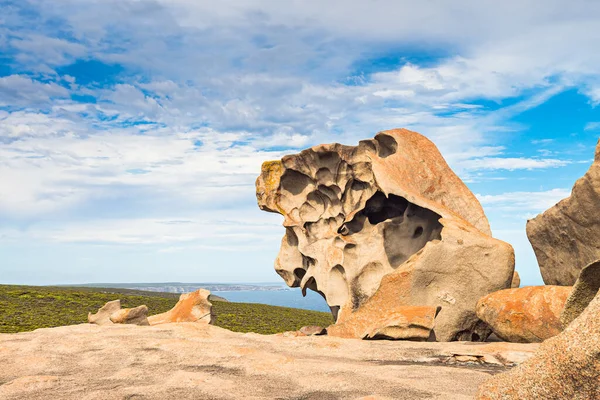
418, 232
307, 262
290, 235
343, 230
299, 274
379, 207
334, 311
294, 181
311, 284
330, 159
337, 286
407, 226
387, 145
366, 283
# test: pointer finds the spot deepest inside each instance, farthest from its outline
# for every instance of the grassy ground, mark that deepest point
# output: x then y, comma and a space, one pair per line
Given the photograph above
25, 308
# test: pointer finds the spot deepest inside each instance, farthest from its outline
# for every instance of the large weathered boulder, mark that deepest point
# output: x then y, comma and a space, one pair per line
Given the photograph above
525, 315
191, 307
385, 225
585, 289
133, 316
566, 366
565, 237
408, 323
102, 317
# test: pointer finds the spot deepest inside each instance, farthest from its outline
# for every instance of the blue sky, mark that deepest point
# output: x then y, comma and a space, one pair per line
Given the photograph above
131, 132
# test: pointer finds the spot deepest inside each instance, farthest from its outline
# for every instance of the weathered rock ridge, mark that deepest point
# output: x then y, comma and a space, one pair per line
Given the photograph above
565, 237
381, 226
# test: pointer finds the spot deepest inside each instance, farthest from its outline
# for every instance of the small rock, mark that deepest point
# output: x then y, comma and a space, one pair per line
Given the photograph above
133, 316
102, 317
313, 330
465, 359
490, 359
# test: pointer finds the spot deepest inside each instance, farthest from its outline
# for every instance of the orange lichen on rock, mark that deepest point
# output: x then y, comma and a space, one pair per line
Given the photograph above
525, 315
191, 307
133, 316
566, 366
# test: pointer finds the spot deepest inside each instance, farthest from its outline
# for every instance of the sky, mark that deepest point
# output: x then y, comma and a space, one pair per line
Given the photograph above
131, 132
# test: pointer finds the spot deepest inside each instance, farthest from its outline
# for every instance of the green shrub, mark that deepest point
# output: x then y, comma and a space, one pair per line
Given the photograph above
25, 308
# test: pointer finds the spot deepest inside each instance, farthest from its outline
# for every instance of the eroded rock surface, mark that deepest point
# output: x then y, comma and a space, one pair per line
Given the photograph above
385, 225
102, 317
201, 361
133, 316
408, 323
525, 315
565, 237
585, 289
112, 313
516, 280
566, 366
191, 307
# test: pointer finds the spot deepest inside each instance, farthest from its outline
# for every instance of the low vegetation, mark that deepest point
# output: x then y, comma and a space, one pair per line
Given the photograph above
25, 308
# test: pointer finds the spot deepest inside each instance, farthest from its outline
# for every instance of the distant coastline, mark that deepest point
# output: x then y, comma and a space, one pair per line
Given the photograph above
180, 287
271, 293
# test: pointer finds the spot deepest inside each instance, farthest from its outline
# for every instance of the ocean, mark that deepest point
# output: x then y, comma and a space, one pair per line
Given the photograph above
285, 298
271, 293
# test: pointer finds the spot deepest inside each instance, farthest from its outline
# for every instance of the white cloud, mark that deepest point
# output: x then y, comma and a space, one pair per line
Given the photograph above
524, 202
17, 90
542, 141
209, 91
592, 126
511, 163
212, 228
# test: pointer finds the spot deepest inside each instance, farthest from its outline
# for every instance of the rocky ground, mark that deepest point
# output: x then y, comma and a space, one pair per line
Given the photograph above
187, 360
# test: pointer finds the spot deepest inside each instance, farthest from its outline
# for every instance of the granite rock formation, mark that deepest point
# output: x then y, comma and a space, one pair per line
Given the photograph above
133, 316
384, 225
200, 361
191, 307
102, 317
566, 366
585, 289
408, 323
565, 237
112, 313
525, 315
